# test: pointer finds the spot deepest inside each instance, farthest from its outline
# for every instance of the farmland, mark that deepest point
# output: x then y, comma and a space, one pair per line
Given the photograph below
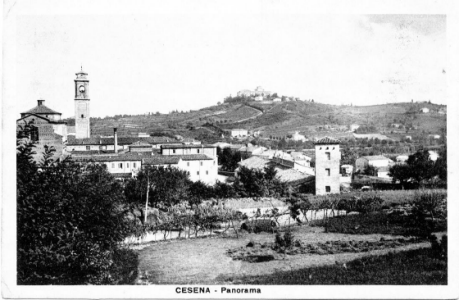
280, 119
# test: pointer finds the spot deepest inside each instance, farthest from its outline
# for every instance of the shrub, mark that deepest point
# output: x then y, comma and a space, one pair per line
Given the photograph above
285, 241
70, 221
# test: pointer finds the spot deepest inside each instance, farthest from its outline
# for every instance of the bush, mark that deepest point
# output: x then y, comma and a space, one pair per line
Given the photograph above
70, 221
285, 241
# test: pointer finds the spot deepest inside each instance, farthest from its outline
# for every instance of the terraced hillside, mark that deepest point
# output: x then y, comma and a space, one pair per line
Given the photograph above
281, 119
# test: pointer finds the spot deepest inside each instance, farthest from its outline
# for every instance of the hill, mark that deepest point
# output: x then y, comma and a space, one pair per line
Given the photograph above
281, 119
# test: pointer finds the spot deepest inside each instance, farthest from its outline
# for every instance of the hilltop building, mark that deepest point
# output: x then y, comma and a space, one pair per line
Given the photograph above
259, 91
327, 167
239, 132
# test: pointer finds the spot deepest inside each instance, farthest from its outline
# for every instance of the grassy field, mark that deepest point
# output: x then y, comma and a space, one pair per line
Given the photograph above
205, 261
413, 267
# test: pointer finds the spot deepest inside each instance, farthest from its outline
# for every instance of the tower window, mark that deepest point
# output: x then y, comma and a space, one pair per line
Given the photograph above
328, 155
327, 189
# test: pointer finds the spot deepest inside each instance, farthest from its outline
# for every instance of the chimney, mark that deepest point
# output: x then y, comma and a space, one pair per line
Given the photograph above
116, 139
40, 102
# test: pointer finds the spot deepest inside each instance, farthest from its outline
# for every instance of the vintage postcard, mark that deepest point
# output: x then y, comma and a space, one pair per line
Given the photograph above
243, 149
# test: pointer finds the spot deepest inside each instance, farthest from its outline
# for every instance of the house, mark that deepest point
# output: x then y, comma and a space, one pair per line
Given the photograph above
277, 99
121, 166
346, 170
433, 155
401, 158
181, 149
258, 98
298, 137
434, 136
381, 163
48, 129
442, 111
239, 132
377, 161
424, 110
353, 127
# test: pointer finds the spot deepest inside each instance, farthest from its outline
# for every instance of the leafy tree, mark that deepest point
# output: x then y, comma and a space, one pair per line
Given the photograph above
400, 172
165, 187
370, 170
70, 219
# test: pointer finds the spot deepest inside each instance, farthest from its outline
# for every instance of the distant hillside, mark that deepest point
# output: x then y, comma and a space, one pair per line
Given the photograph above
281, 119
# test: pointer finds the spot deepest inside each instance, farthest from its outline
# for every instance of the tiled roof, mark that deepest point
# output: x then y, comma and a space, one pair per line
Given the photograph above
180, 146
291, 175
122, 140
41, 109
194, 157
327, 141
106, 158
376, 157
161, 160
254, 162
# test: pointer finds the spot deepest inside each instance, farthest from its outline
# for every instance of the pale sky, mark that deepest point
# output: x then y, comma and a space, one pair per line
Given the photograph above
140, 63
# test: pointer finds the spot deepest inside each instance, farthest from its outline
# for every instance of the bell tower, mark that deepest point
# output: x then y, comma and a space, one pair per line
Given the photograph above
82, 127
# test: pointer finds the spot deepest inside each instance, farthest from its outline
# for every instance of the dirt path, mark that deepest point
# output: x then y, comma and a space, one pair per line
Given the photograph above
205, 260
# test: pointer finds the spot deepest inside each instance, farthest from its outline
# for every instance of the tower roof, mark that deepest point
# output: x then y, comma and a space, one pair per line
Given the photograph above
327, 141
41, 109
81, 72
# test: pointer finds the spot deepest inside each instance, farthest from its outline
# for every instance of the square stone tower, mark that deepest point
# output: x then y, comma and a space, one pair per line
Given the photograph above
328, 158
82, 126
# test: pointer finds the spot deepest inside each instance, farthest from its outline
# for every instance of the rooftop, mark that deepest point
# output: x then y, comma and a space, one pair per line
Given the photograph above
327, 141
254, 162
180, 146
122, 140
41, 109
376, 157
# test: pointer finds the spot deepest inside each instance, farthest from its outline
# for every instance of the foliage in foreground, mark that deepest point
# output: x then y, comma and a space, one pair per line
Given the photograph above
414, 267
70, 221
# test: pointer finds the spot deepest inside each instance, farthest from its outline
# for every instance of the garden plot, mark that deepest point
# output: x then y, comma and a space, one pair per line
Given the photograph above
205, 260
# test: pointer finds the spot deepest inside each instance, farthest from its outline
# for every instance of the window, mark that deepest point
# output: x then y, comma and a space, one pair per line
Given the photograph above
127, 165
113, 165
207, 172
188, 164
120, 165
82, 116
201, 163
198, 151
214, 162
173, 151
134, 165
327, 171
197, 173
88, 148
328, 155
327, 189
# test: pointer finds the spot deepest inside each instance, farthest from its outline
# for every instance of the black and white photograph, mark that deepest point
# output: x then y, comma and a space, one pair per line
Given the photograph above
246, 149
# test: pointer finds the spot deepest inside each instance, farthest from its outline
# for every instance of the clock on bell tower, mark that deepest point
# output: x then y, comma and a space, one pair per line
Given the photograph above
82, 126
